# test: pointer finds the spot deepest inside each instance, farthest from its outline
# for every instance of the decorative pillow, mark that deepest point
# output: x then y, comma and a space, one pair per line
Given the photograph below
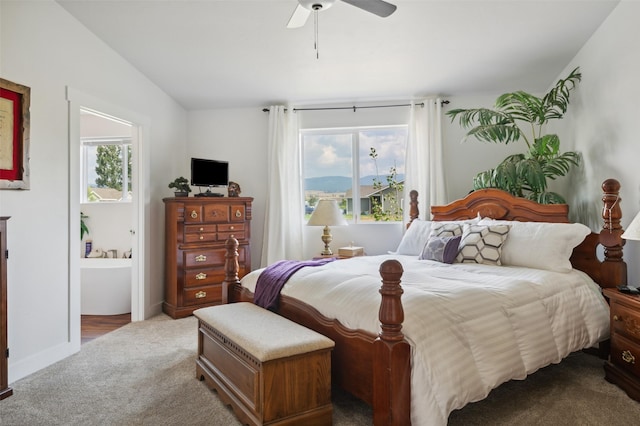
446, 229
450, 228
482, 244
419, 232
414, 238
441, 249
541, 245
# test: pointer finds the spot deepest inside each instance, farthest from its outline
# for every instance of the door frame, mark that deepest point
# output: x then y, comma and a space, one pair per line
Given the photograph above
140, 184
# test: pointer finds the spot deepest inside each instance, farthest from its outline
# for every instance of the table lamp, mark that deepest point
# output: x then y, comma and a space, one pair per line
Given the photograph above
633, 231
327, 213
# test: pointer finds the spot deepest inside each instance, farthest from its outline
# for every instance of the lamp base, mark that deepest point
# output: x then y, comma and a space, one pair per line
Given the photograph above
326, 239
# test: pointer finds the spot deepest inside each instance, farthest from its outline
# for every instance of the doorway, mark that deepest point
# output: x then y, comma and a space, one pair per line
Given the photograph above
126, 200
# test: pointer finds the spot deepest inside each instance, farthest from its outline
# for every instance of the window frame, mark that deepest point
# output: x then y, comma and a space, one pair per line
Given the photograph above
355, 132
127, 147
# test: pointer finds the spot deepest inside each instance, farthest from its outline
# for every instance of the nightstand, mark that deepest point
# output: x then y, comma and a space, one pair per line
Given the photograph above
623, 367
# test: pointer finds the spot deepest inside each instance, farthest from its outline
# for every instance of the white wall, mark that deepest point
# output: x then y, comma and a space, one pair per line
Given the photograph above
240, 136
109, 225
43, 47
602, 122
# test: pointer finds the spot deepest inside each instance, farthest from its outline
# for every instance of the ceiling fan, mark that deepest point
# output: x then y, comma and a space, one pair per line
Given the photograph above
305, 7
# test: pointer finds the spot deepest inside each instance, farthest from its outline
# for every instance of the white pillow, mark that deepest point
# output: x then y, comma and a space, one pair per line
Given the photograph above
540, 245
414, 238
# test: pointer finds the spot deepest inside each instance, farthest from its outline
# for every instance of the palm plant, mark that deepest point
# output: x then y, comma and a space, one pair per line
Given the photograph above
526, 174
84, 229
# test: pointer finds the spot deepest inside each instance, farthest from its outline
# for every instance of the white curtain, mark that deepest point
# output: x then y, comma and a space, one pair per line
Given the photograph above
424, 164
284, 214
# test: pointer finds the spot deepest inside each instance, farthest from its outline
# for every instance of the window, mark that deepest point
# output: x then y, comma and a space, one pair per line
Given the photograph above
362, 168
106, 166
105, 158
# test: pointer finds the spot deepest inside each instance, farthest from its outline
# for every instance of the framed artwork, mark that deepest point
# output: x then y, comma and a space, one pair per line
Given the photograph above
14, 135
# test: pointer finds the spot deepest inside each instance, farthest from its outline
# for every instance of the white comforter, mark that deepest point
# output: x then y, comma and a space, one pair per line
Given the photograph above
471, 327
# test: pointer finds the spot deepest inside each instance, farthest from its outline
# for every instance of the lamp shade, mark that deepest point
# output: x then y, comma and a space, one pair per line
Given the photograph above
633, 231
327, 213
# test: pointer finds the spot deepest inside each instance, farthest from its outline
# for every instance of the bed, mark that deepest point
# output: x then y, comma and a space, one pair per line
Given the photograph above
418, 370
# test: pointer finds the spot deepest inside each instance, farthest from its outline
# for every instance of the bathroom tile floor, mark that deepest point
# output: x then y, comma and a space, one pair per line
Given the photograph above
93, 326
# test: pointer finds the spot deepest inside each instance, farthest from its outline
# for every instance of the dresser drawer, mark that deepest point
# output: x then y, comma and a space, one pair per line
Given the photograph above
224, 236
193, 213
210, 257
197, 229
231, 227
202, 295
238, 213
200, 277
204, 258
202, 237
216, 213
625, 321
625, 354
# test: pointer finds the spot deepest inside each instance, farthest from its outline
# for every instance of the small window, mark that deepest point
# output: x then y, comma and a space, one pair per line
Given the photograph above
105, 144
106, 170
361, 168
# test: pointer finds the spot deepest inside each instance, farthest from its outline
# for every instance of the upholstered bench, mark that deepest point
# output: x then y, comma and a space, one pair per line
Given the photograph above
270, 370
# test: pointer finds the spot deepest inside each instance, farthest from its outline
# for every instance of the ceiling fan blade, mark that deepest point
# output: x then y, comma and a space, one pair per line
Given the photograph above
377, 7
299, 17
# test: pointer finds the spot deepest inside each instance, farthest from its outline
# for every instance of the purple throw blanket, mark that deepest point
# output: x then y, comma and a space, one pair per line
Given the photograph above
274, 277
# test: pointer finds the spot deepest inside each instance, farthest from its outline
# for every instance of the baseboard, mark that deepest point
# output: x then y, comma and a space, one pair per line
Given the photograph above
36, 362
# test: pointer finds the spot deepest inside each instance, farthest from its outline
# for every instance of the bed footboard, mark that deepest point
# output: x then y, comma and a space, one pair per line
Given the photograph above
376, 369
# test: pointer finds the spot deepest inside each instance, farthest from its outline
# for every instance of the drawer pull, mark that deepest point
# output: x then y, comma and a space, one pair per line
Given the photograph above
238, 213
232, 228
201, 276
194, 214
201, 295
201, 229
616, 318
628, 357
201, 258
201, 237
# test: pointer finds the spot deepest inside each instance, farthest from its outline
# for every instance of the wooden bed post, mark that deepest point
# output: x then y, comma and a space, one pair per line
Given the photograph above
230, 268
391, 354
613, 269
414, 212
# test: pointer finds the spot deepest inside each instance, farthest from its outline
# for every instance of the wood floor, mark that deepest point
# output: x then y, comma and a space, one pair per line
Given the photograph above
93, 326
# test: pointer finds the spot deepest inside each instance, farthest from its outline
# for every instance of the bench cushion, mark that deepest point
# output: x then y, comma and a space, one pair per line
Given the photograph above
262, 333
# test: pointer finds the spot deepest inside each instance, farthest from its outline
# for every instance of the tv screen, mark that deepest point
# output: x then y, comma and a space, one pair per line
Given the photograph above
209, 172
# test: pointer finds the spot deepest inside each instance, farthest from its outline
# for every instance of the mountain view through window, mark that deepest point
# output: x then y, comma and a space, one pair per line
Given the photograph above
361, 168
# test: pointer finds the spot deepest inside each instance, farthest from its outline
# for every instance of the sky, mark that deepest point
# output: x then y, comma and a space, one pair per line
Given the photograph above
331, 153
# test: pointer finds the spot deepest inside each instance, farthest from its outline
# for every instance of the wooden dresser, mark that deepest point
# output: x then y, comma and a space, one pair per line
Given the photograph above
196, 229
623, 367
5, 390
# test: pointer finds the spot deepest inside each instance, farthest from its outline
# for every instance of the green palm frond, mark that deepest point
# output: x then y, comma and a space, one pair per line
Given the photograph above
557, 100
521, 116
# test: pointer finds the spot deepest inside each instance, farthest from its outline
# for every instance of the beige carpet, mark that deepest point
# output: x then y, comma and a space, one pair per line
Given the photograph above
144, 374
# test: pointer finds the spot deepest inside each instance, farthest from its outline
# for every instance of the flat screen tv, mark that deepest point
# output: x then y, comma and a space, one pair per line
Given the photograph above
209, 172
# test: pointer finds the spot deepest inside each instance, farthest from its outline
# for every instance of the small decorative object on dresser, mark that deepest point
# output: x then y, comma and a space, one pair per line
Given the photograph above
196, 229
234, 189
181, 186
623, 367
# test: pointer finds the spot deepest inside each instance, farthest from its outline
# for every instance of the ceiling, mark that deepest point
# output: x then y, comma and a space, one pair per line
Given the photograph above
238, 53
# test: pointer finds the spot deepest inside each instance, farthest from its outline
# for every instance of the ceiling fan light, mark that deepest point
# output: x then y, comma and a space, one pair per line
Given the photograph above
316, 4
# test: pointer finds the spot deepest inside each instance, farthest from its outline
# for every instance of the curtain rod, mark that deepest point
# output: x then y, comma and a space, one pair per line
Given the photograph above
354, 107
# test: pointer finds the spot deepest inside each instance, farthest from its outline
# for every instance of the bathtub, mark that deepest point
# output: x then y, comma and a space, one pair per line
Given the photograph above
105, 286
